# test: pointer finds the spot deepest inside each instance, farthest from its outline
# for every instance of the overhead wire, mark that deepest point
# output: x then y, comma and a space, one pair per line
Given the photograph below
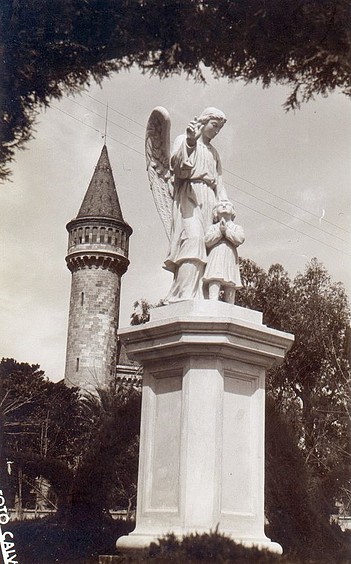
287, 213
285, 200
97, 130
114, 110
289, 226
110, 121
228, 184
244, 179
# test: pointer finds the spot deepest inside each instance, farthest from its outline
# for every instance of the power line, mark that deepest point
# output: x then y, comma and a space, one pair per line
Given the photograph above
77, 119
292, 228
102, 117
98, 131
287, 213
285, 200
245, 180
114, 110
249, 182
241, 203
106, 116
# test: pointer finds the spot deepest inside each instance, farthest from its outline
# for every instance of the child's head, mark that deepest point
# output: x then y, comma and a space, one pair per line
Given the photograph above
223, 208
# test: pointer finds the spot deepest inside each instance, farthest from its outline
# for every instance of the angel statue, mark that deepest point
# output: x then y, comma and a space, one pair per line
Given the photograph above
186, 185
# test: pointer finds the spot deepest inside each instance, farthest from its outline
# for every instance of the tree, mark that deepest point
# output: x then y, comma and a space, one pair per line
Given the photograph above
318, 374
85, 446
45, 429
50, 47
112, 448
126, 476
312, 386
141, 310
21, 390
294, 517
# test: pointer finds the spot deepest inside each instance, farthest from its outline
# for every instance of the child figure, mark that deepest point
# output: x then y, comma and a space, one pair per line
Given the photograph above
222, 239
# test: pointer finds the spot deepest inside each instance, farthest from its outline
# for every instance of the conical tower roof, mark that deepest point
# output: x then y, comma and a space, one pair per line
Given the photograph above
101, 198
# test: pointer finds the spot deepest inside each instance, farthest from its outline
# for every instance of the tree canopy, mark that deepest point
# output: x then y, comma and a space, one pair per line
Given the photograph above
312, 386
43, 428
50, 431
51, 47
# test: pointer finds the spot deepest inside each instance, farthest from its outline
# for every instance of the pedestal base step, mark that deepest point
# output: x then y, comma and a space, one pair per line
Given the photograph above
139, 541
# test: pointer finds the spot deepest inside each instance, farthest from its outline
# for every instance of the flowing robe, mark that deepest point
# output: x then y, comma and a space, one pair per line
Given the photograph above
197, 187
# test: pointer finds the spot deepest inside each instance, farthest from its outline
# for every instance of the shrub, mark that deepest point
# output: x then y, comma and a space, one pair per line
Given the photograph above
207, 547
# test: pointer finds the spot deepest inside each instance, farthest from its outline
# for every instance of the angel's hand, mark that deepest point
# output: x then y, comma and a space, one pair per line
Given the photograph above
193, 132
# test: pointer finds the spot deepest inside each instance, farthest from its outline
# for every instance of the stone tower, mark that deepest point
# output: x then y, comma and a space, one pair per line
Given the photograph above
97, 258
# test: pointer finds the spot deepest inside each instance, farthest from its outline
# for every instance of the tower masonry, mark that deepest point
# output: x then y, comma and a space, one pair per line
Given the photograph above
97, 258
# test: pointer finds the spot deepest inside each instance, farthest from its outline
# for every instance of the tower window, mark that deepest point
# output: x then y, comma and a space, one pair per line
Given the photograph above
80, 235
87, 231
109, 236
77, 364
82, 299
94, 234
102, 235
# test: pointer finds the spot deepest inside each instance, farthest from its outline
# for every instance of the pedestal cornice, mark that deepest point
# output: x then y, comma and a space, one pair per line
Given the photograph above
208, 329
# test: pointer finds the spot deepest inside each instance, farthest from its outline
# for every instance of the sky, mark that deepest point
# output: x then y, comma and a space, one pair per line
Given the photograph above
288, 175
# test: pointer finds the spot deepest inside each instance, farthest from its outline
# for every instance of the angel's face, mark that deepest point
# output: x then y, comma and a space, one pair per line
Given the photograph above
211, 128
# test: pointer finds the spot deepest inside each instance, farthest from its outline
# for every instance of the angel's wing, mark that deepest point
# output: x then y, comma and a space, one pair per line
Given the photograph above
157, 152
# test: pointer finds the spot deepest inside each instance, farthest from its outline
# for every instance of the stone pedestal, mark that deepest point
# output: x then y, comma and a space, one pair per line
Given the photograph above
202, 429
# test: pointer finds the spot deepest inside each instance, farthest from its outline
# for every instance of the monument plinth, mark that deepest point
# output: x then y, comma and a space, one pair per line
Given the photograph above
202, 429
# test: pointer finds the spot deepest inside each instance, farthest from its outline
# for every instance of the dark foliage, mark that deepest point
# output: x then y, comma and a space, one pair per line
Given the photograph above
44, 430
312, 386
118, 425
141, 311
49, 47
49, 540
288, 507
206, 547
294, 516
83, 446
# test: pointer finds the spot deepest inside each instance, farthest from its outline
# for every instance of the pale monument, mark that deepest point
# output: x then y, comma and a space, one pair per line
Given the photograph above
202, 429
186, 185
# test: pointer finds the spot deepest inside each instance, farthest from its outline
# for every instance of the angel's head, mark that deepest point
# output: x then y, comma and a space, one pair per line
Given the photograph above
212, 113
225, 209
212, 120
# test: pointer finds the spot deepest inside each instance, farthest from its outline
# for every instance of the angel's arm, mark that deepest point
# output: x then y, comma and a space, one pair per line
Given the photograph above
181, 161
221, 191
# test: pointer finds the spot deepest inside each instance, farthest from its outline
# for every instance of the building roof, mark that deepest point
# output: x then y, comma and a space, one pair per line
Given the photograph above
101, 198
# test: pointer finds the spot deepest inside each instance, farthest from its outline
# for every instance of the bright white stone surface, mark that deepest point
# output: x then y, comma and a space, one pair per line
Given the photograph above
207, 308
202, 430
